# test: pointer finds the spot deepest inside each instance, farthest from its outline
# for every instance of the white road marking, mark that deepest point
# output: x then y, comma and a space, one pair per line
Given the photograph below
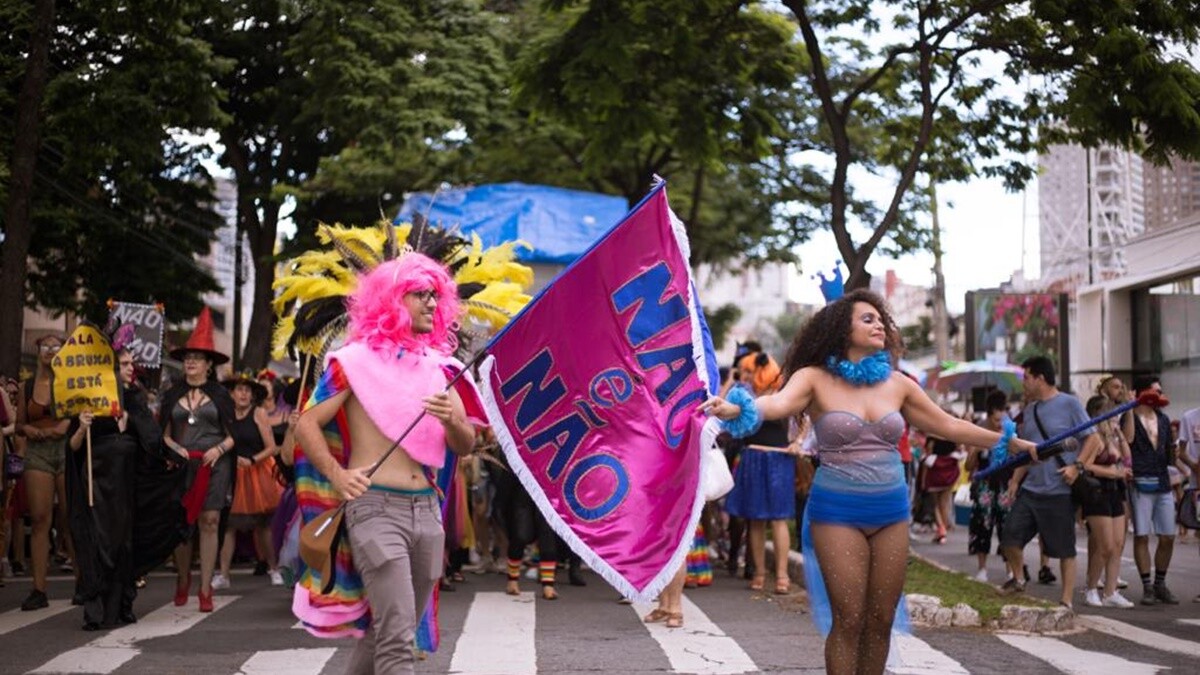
497, 637
1141, 636
1074, 661
16, 619
700, 646
116, 648
914, 656
287, 662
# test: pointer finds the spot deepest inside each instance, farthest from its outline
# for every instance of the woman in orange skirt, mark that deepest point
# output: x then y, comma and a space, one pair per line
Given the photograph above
256, 492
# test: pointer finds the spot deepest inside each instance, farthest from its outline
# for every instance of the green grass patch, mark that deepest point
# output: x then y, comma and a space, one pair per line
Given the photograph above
954, 588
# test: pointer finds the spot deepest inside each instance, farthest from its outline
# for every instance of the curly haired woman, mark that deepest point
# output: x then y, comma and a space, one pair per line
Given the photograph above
840, 370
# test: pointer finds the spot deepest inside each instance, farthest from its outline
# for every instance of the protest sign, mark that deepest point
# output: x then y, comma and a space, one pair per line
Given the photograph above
147, 321
84, 376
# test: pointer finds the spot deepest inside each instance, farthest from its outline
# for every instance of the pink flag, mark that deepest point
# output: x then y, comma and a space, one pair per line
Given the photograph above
593, 392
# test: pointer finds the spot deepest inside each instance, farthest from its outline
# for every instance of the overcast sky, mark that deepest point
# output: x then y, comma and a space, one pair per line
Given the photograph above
982, 228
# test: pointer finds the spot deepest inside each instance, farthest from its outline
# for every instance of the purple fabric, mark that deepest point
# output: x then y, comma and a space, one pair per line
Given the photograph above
283, 517
593, 392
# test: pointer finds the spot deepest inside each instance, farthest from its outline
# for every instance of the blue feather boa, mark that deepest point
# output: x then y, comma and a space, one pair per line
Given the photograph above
999, 454
749, 421
871, 370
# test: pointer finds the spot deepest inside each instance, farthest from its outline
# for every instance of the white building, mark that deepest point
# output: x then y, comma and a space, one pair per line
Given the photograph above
761, 293
906, 302
1090, 205
1149, 320
220, 261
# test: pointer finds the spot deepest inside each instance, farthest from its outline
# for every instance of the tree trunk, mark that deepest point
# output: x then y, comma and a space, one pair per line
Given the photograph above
941, 319
18, 230
858, 276
257, 351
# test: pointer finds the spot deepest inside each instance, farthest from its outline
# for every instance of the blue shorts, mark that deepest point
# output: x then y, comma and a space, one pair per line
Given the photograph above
1153, 513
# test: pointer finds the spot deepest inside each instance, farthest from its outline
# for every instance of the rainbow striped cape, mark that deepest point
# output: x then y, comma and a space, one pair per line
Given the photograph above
344, 611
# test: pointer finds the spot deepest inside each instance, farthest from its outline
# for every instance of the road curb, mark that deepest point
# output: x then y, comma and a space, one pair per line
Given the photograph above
928, 610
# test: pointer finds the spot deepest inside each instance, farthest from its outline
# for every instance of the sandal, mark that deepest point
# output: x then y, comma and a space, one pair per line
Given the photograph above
675, 620
656, 615
757, 583
783, 586
512, 588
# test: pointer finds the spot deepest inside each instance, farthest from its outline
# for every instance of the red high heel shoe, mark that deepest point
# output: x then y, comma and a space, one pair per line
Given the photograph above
182, 591
206, 603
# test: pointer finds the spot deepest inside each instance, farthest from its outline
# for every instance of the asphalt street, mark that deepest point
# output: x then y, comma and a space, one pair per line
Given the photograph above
728, 629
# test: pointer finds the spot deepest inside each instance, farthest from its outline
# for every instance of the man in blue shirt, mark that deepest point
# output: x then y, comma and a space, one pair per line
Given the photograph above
1042, 505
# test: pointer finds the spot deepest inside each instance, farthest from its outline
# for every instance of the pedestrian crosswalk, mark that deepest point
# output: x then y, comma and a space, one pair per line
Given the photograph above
501, 630
727, 631
287, 662
700, 646
1067, 658
1126, 631
913, 656
15, 619
117, 647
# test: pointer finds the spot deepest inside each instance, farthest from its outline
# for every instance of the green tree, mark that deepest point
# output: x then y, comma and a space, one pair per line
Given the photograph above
113, 206
902, 89
341, 105
918, 336
720, 320
765, 118
608, 94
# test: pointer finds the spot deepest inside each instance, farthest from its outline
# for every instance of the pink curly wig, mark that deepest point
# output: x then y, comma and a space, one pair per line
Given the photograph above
379, 317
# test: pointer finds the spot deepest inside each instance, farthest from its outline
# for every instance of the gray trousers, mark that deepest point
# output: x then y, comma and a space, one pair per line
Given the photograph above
397, 542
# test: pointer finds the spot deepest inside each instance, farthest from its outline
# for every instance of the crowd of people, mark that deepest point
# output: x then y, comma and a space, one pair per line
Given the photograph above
205, 463
856, 456
1128, 474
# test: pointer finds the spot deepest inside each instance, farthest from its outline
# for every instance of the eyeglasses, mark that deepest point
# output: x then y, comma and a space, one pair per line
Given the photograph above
194, 357
425, 296
49, 349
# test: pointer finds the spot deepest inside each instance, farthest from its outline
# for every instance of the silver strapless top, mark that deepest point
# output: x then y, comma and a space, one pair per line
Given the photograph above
856, 453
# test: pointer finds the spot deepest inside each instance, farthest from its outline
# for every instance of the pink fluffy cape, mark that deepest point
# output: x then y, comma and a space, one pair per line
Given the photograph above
391, 390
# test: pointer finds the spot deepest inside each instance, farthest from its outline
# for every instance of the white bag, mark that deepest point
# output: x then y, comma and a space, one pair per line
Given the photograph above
715, 479
962, 496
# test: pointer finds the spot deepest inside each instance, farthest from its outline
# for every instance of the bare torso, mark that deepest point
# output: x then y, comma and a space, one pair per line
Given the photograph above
369, 444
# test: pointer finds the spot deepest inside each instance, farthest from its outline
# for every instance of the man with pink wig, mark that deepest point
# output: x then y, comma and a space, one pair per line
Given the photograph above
395, 364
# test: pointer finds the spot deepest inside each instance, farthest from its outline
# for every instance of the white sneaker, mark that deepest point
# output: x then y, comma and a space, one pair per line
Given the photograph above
276, 577
531, 573
1092, 598
219, 581
981, 575
1117, 600
1121, 584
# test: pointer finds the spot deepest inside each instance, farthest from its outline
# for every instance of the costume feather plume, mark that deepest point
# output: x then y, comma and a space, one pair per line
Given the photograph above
310, 300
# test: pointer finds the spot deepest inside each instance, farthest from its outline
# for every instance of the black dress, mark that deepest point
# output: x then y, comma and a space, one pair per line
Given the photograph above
103, 532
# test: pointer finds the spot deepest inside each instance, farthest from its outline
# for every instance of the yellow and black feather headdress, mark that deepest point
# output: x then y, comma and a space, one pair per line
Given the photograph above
311, 294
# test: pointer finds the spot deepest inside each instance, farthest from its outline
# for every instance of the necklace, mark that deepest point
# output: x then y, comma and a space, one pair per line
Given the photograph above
191, 407
870, 370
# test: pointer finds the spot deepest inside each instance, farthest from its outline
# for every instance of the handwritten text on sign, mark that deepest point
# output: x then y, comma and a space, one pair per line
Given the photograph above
85, 376
148, 331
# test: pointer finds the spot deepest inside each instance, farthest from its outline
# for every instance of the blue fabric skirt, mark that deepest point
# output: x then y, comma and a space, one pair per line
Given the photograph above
863, 508
764, 486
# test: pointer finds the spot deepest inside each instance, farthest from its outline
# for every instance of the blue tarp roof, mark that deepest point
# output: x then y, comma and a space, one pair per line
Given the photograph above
560, 224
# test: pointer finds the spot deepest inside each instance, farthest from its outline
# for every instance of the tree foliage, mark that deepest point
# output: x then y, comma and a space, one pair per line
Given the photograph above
961, 88
342, 105
607, 94
771, 120
118, 208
